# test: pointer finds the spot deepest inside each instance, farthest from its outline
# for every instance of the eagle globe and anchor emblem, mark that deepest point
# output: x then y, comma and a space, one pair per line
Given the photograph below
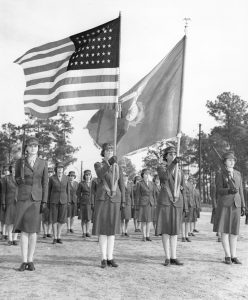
135, 114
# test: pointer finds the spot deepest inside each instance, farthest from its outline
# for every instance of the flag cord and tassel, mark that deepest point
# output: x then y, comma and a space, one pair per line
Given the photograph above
179, 134
115, 165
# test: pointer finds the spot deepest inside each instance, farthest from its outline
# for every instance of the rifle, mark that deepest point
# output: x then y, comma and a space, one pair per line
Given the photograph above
23, 154
224, 170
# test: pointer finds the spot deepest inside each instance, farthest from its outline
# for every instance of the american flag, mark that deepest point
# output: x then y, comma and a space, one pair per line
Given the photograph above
76, 73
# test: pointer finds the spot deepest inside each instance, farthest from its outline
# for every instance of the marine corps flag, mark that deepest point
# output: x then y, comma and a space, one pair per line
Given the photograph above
150, 110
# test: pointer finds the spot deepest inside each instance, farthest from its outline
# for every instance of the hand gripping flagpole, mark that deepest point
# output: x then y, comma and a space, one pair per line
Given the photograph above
115, 165
179, 134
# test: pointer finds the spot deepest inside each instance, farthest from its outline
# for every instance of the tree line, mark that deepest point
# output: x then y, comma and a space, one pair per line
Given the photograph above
53, 134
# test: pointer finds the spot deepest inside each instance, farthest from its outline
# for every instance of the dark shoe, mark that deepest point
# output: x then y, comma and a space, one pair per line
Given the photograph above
126, 234
195, 230
54, 241
183, 239
15, 243
175, 261
167, 262
23, 267
136, 230
112, 263
192, 234
30, 266
188, 239
5, 237
189, 234
236, 261
49, 235
59, 241
219, 239
148, 239
44, 236
228, 260
71, 231
103, 263
87, 235
139, 230
83, 235
10, 243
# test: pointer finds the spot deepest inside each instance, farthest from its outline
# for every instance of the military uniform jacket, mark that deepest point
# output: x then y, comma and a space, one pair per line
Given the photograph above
134, 189
35, 183
59, 191
9, 190
129, 195
197, 198
166, 195
84, 193
73, 191
223, 198
104, 174
189, 193
145, 193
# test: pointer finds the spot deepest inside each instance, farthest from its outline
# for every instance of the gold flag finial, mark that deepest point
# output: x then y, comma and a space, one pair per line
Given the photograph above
186, 21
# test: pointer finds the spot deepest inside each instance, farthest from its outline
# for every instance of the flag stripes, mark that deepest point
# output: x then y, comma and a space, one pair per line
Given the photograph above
53, 85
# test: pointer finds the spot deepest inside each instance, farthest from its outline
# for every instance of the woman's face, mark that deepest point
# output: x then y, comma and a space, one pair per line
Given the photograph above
32, 149
60, 170
146, 176
108, 153
157, 181
230, 162
170, 157
87, 176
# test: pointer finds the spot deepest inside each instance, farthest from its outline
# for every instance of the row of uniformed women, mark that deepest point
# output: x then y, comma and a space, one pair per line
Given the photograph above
8, 205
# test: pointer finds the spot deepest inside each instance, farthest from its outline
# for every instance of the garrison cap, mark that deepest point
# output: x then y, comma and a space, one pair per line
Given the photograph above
32, 141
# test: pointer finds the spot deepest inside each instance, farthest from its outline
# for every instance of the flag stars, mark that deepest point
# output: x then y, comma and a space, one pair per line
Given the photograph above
103, 46
110, 30
87, 62
103, 61
87, 47
93, 47
108, 60
109, 53
109, 37
99, 39
92, 54
103, 53
98, 54
81, 62
109, 45
87, 54
93, 62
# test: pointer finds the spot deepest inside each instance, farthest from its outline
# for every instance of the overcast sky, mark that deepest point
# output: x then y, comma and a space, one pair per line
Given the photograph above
216, 55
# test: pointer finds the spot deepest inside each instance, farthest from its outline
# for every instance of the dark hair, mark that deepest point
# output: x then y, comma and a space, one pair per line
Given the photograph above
135, 179
143, 171
87, 171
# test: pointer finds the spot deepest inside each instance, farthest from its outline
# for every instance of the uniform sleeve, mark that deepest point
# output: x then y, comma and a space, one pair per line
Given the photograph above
241, 193
49, 190
4, 190
45, 183
93, 192
18, 178
68, 190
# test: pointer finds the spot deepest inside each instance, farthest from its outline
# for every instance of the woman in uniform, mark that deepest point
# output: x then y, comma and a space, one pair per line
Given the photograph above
135, 211
9, 197
157, 189
189, 198
84, 199
72, 209
109, 198
126, 211
46, 222
145, 199
231, 205
169, 207
58, 201
32, 179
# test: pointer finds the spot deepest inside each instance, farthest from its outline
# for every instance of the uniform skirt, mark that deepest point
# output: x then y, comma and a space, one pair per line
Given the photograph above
107, 218
58, 213
145, 213
135, 212
126, 213
28, 217
72, 210
10, 214
169, 220
195, 214
46, 215
2, 214
190, 215
85, 213
227, 220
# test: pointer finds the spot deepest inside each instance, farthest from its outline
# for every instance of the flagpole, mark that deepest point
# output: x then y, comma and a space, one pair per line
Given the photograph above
179, 133
116, 115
